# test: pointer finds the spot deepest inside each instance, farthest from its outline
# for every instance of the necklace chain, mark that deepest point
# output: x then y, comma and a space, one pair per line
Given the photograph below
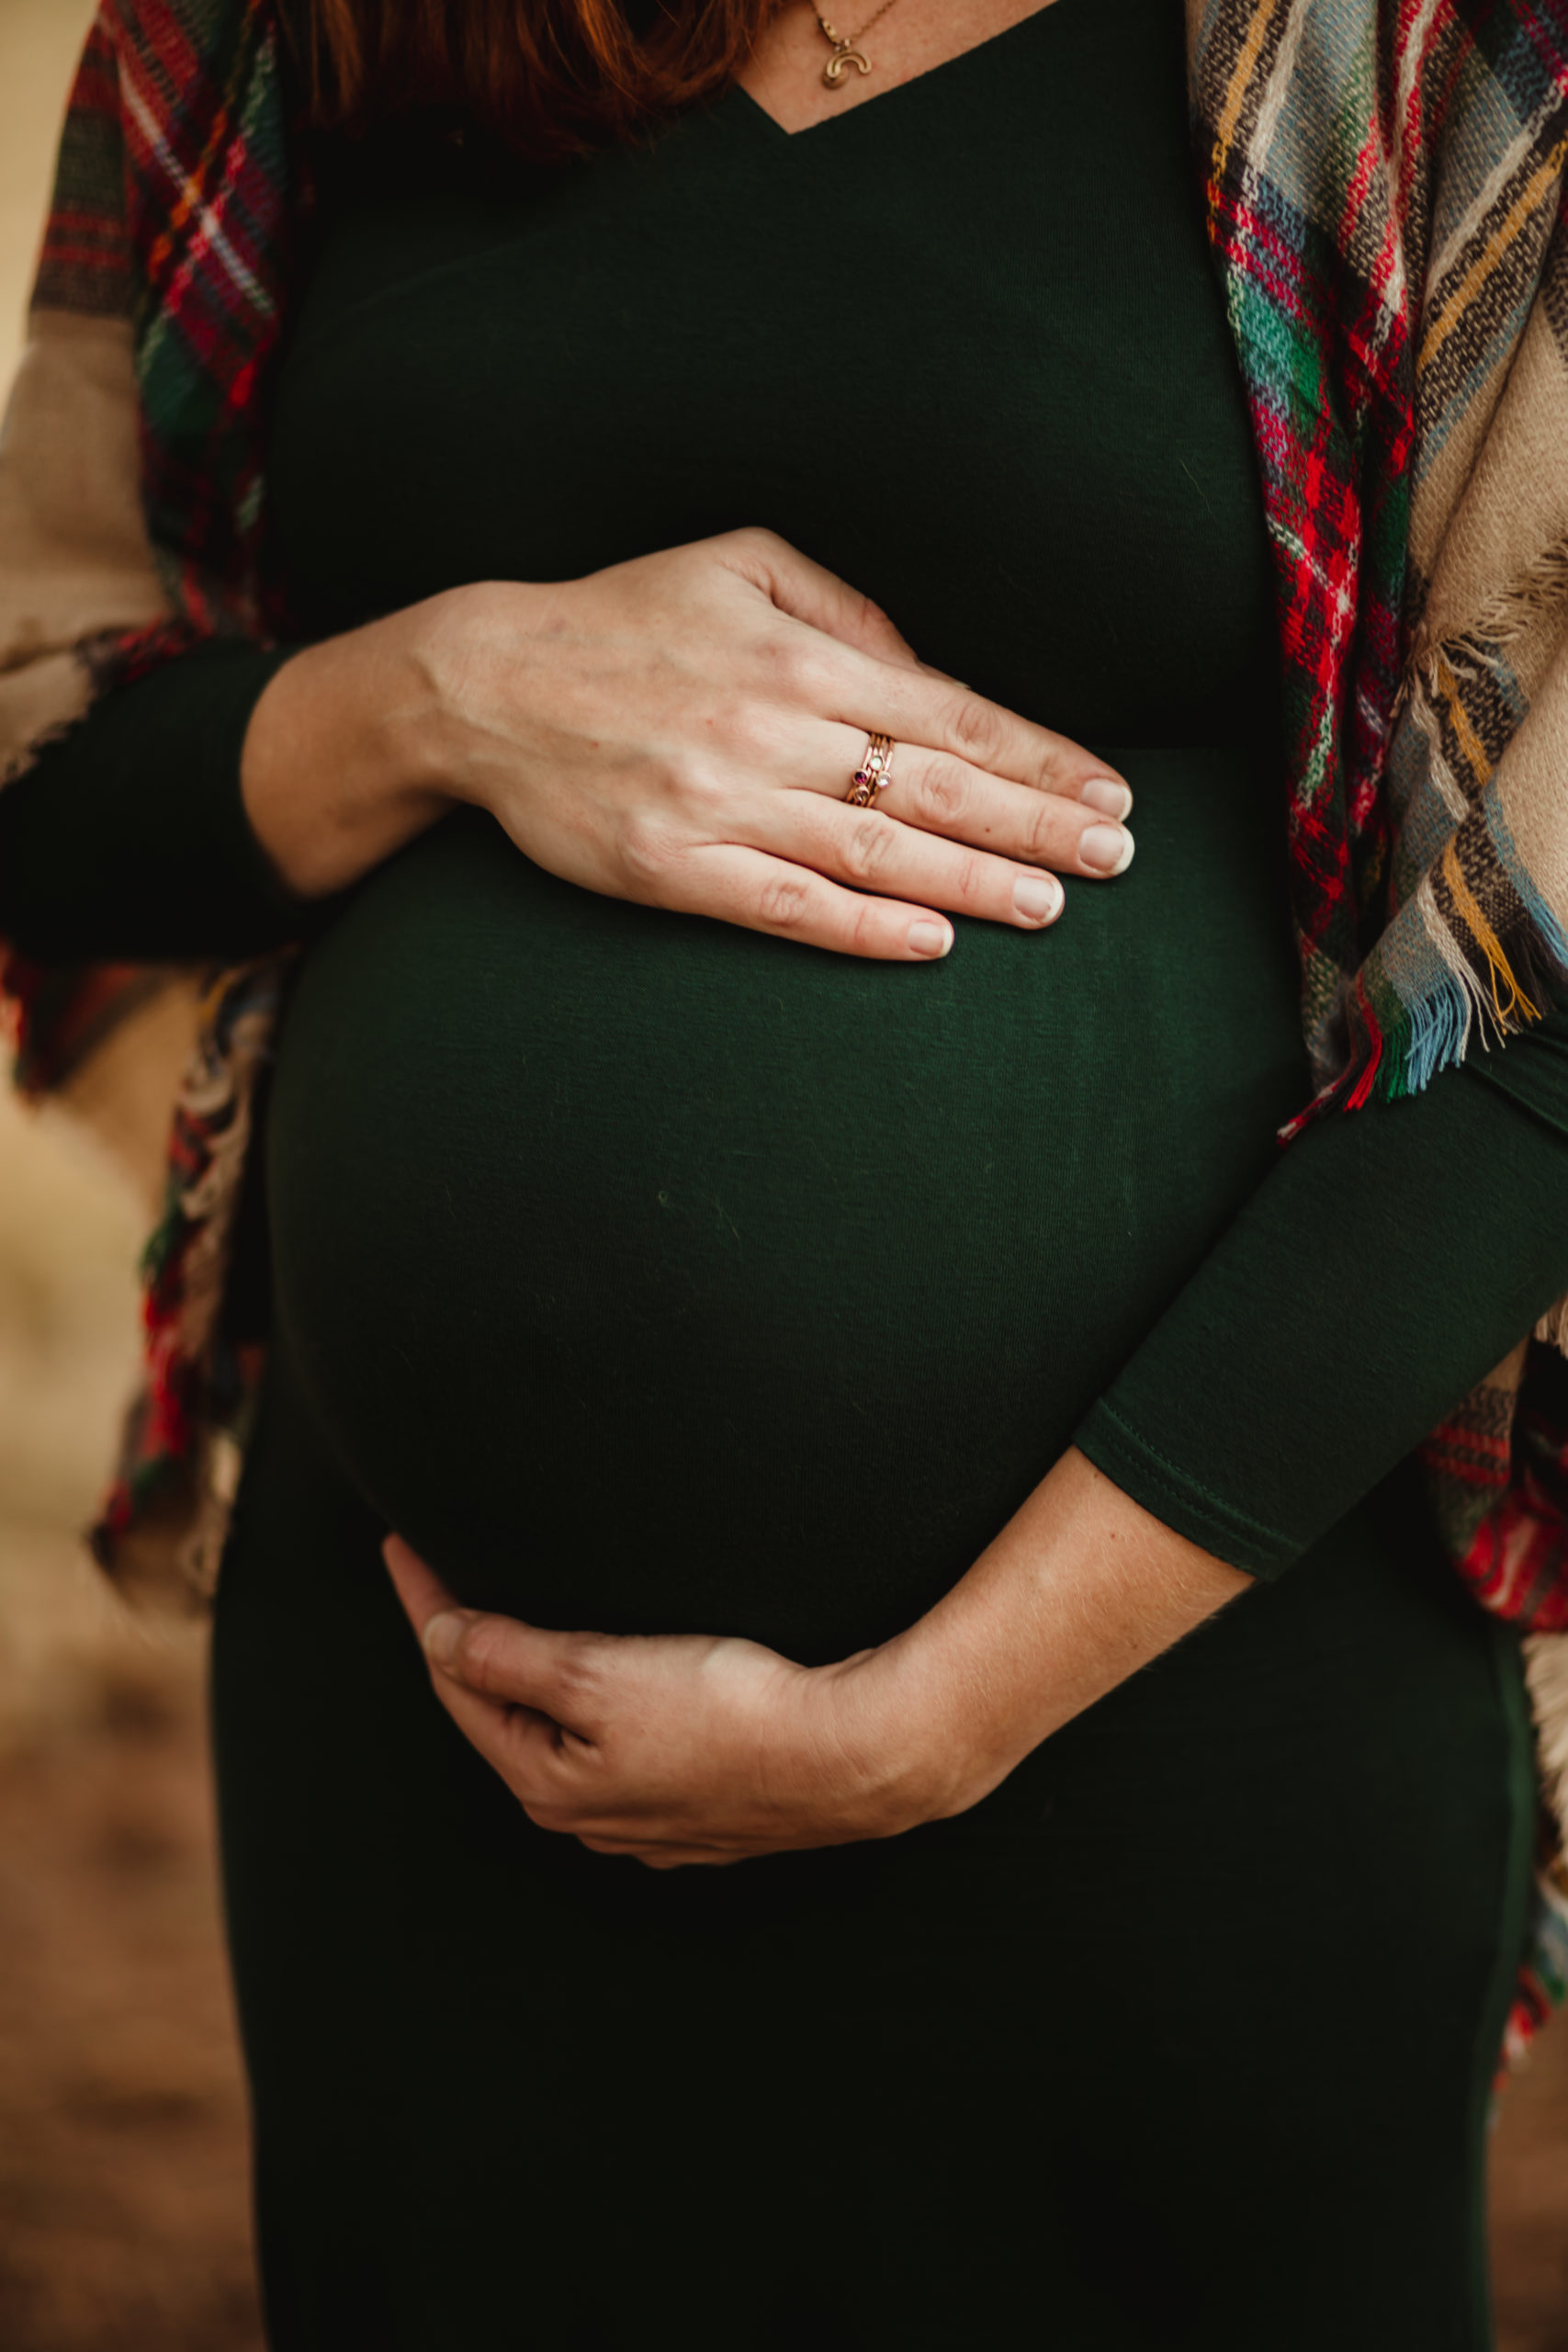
847, 49
838, 39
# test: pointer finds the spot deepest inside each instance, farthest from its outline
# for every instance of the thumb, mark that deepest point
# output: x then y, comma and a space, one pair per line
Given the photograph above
418, 1587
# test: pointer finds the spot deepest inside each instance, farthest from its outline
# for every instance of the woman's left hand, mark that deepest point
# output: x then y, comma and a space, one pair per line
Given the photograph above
681, 1750
673, 1749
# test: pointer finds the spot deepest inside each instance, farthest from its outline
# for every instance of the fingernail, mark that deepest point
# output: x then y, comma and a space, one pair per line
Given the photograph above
1037, 898
1107, 848
1111, 799
442, 1637
930, 938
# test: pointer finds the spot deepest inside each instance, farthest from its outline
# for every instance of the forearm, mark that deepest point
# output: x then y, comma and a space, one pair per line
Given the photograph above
1389, 1260
1080, 1589
198, 811
349, 753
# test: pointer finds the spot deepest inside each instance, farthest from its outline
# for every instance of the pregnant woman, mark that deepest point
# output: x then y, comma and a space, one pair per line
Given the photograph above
780, 1219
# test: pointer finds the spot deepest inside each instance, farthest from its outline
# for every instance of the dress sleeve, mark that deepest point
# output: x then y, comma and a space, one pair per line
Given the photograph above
1391, 1258
127, 841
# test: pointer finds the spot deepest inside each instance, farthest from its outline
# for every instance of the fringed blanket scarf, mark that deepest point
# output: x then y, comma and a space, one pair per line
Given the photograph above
1384, 185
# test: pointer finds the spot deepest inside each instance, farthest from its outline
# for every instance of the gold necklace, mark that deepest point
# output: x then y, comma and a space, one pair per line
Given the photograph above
846, 50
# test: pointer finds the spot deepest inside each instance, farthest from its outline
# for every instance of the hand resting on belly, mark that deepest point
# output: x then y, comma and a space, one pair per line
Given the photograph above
682, 731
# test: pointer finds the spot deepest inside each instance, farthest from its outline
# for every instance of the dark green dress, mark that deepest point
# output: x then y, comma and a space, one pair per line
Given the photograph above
649, 1274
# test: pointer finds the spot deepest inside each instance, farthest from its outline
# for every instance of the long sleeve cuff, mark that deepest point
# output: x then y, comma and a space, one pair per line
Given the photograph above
129, 840
1391, 1258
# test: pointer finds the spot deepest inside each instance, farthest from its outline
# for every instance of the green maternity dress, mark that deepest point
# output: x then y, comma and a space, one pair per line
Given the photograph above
650, 1274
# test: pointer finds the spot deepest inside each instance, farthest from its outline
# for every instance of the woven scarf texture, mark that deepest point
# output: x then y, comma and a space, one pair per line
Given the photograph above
1385, 185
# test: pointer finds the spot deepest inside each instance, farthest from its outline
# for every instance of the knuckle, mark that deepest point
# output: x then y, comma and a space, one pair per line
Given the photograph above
575, 1683
865, 928
755, 553
784, 905
707, 794
481, 1656
1042, 831
648, 851
976, 727
869, 848
971, 878
949, 791
799, 673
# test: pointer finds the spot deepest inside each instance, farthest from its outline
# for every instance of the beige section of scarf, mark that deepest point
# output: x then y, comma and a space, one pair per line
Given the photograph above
74, 558
76, 566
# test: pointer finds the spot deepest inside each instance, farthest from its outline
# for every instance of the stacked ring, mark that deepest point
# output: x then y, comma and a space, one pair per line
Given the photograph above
873, 775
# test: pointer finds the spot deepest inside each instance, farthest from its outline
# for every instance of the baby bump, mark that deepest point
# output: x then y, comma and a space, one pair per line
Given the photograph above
651, 1274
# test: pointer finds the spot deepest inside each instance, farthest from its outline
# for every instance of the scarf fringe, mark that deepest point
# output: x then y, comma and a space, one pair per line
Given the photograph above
1390, 1065
1431, 1038
1476, 652
1437, 1035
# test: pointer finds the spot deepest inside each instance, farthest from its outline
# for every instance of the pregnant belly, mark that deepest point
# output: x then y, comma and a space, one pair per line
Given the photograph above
652, 1276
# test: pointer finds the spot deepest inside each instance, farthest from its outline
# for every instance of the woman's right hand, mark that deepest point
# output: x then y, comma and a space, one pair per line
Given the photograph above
682, 731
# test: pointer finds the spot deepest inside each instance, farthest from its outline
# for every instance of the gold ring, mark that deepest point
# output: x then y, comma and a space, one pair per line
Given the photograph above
873, 775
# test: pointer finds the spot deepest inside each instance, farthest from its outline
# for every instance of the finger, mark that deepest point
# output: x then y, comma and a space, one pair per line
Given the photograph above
516, 1664
919, 841
940, 794
745, 886
938, 716
499, 1658
485, 1724
418, 1587
809, 592
528, 1751
871, 851
427, 1602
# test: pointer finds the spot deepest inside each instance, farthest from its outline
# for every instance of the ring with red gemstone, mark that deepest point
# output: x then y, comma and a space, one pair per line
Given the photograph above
873, 775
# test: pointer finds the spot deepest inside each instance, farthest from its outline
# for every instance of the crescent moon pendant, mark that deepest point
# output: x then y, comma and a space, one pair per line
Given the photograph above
833, 72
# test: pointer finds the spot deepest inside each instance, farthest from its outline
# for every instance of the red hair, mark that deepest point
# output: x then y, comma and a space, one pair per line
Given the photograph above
550, 77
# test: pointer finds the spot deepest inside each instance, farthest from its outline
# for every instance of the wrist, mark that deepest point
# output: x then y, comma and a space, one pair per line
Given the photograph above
407, 669
903, 1745
452, 653
1081, 1588
341, 762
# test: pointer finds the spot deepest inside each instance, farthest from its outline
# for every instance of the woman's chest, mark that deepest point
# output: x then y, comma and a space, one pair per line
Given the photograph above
964, 348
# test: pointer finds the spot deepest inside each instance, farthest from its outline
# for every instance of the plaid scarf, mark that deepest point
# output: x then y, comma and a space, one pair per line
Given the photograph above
1384, 187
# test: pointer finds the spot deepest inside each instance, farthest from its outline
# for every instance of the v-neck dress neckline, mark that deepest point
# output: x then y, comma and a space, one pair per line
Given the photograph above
833, 122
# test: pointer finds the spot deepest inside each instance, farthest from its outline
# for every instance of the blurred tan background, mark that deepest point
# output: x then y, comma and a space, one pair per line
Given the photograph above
123, 2192
124, 2220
